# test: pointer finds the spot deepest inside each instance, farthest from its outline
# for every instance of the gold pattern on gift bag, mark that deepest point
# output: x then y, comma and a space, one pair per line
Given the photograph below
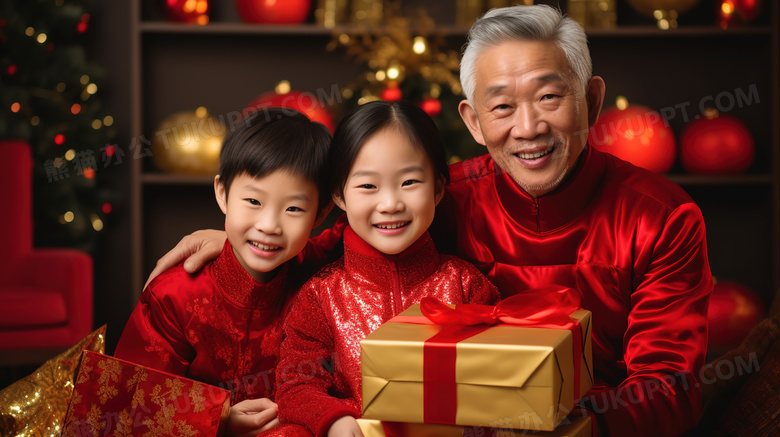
111, 372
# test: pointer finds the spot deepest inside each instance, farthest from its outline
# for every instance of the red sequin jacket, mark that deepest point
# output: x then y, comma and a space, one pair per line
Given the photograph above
319, 369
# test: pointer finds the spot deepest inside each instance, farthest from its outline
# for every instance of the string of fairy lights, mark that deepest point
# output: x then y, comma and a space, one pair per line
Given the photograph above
50, 92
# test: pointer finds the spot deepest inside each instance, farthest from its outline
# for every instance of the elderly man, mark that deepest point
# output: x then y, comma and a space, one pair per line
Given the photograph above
542, 208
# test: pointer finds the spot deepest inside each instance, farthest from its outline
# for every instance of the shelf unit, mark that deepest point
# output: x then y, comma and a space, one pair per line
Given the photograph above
224, 64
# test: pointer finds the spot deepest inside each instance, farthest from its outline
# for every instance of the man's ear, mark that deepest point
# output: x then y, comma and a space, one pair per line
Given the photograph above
595, 98
469, 116
323, 214
221, 194
339, 201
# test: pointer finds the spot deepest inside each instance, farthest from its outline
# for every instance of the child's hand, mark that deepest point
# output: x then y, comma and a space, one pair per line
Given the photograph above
347, 426
251, 417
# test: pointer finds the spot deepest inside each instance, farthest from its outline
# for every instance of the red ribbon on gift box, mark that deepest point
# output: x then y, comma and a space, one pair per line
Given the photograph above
545, 307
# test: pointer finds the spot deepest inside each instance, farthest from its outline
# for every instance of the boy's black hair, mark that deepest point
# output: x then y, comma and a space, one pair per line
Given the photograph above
271, 139
368, 119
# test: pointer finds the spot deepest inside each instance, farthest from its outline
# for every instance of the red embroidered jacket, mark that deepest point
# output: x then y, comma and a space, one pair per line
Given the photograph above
218, 326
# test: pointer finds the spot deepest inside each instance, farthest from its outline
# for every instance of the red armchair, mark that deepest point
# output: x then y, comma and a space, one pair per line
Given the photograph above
45, 294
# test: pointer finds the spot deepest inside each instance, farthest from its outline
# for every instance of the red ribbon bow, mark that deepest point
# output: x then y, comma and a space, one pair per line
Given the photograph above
546, 307
538, 307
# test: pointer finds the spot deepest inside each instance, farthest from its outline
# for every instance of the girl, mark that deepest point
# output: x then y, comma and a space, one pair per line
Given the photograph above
388, 172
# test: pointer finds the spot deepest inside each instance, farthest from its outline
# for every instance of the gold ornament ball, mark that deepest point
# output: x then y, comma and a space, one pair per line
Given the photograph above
648, 7
189, 142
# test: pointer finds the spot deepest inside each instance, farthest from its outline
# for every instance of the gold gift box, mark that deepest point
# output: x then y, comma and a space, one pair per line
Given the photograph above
374, 428
506, 376
573, 427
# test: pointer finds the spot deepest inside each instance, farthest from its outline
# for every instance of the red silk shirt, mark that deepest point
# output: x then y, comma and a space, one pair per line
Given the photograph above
632, 244
319, 369
218, 326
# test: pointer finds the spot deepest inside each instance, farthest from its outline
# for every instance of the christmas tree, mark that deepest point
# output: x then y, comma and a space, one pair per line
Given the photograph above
49, 97
410, 66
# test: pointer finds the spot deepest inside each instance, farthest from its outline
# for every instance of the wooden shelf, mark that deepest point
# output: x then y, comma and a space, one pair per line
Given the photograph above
241, 28
233, 28
175, 179
691, 31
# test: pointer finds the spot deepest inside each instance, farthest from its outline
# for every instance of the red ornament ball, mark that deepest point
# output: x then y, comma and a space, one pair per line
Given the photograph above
636, 134
273, 11
391, 94
187, 11
720, 144
303, 102
734, 310
737, 11
431, 107
106, 208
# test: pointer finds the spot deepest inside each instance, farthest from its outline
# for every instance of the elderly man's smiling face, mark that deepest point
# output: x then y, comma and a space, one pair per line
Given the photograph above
530, 111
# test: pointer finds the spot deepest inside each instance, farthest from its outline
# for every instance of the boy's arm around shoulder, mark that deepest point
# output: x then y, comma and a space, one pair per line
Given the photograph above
319, 251
153, 336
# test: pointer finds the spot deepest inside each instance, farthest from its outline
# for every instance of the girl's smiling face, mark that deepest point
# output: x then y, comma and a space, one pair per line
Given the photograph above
391, 192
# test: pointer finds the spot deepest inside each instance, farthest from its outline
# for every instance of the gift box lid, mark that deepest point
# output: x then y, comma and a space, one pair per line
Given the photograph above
394, 351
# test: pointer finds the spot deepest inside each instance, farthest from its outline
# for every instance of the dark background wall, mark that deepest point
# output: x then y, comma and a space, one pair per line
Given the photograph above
658, 71
110, 46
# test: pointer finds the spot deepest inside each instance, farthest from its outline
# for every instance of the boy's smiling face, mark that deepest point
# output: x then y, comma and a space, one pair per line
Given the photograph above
268, 220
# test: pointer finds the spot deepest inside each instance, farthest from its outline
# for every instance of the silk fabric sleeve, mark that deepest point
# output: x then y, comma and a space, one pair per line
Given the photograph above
665, 343
319, 250
153, 337
304, 380
477, 288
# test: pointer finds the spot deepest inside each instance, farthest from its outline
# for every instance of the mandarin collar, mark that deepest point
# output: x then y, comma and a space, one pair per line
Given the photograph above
558, 207
240, 288
413, 265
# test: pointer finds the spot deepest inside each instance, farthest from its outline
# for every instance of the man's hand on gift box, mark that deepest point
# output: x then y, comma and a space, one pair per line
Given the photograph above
251, 417
346, 426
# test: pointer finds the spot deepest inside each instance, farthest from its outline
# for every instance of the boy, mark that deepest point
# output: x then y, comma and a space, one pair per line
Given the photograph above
222, 325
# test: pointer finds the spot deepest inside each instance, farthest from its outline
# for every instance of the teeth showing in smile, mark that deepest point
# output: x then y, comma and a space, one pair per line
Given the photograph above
263, 246
392, 226
535, 155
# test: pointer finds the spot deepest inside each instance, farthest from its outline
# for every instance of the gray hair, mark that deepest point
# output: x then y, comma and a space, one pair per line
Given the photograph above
522, 23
